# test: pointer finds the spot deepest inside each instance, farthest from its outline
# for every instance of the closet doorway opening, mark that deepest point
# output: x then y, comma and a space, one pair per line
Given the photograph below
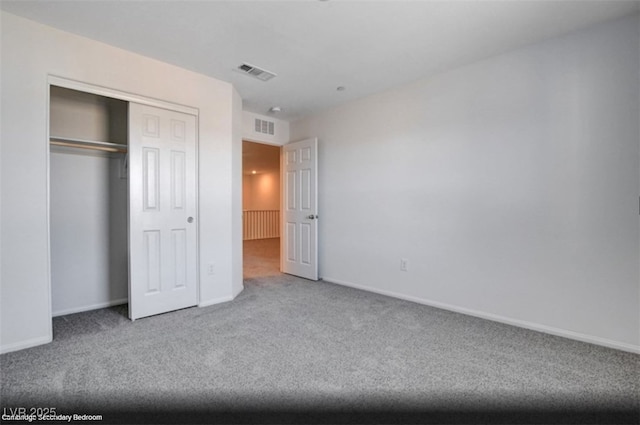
122, 201
88, 201
261, 187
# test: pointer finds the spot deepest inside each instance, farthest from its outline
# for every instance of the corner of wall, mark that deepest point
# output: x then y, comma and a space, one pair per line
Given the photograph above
8, 348
236, 178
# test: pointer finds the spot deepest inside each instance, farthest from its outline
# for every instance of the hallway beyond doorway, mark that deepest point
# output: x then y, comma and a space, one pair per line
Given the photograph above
261, 258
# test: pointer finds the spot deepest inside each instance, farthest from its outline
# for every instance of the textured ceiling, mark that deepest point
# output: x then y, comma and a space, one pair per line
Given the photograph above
316, 46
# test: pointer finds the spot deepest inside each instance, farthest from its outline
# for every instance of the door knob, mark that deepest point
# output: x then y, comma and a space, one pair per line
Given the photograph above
312, 217
190, 220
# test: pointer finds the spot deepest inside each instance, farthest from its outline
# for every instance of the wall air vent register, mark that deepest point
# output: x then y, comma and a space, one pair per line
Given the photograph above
264, 127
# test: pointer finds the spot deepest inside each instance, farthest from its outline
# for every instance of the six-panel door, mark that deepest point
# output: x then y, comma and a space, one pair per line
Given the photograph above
162, 210
300, 250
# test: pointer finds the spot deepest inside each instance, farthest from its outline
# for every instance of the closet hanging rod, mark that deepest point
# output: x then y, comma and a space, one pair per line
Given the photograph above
81, 146
88, 144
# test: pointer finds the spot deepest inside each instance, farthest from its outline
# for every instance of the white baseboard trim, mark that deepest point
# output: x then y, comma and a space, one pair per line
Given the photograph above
222, 299
25, 344
90, 307
215, 301
496, 318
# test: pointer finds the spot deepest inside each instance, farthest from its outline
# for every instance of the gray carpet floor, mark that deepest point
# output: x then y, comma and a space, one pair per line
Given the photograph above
288, 342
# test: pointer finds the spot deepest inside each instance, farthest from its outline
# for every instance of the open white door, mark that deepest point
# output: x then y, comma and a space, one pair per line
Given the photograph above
162, 211
300, 218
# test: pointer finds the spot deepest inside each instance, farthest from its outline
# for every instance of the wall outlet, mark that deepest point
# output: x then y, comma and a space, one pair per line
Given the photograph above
404, 264
210, 269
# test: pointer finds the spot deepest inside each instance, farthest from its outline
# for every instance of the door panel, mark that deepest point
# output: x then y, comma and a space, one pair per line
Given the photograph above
151, 177
162, 198
290, 191
300, 246
178, 180
179, 263
305, 243
152, 263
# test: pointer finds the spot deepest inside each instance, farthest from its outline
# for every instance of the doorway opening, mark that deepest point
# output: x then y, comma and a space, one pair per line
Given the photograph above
260, 210
88, 201
101, 251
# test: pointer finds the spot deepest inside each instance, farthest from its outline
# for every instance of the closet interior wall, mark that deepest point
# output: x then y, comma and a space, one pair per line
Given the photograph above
88, 203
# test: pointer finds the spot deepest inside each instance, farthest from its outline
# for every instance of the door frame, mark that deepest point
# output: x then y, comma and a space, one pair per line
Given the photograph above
280, 203
282, 200
54, 80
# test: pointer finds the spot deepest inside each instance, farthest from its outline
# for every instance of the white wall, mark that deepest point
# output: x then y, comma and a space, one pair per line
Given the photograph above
89, 255
511, 185
30, 52
88, 204
281, 129
236, 192
76, 114
261, 191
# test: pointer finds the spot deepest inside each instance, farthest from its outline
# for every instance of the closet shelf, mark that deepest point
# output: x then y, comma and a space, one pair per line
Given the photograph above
88, 144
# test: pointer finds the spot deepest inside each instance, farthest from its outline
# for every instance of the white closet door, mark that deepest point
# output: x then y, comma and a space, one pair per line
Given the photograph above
162, 211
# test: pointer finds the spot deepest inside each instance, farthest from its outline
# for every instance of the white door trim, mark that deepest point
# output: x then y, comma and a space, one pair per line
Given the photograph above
53, 80
117, 94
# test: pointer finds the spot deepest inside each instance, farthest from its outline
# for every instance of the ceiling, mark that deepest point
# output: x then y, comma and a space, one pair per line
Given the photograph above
260, 158
315, 46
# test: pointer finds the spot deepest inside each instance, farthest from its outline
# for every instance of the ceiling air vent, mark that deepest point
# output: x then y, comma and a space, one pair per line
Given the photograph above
254, 71
265, 127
